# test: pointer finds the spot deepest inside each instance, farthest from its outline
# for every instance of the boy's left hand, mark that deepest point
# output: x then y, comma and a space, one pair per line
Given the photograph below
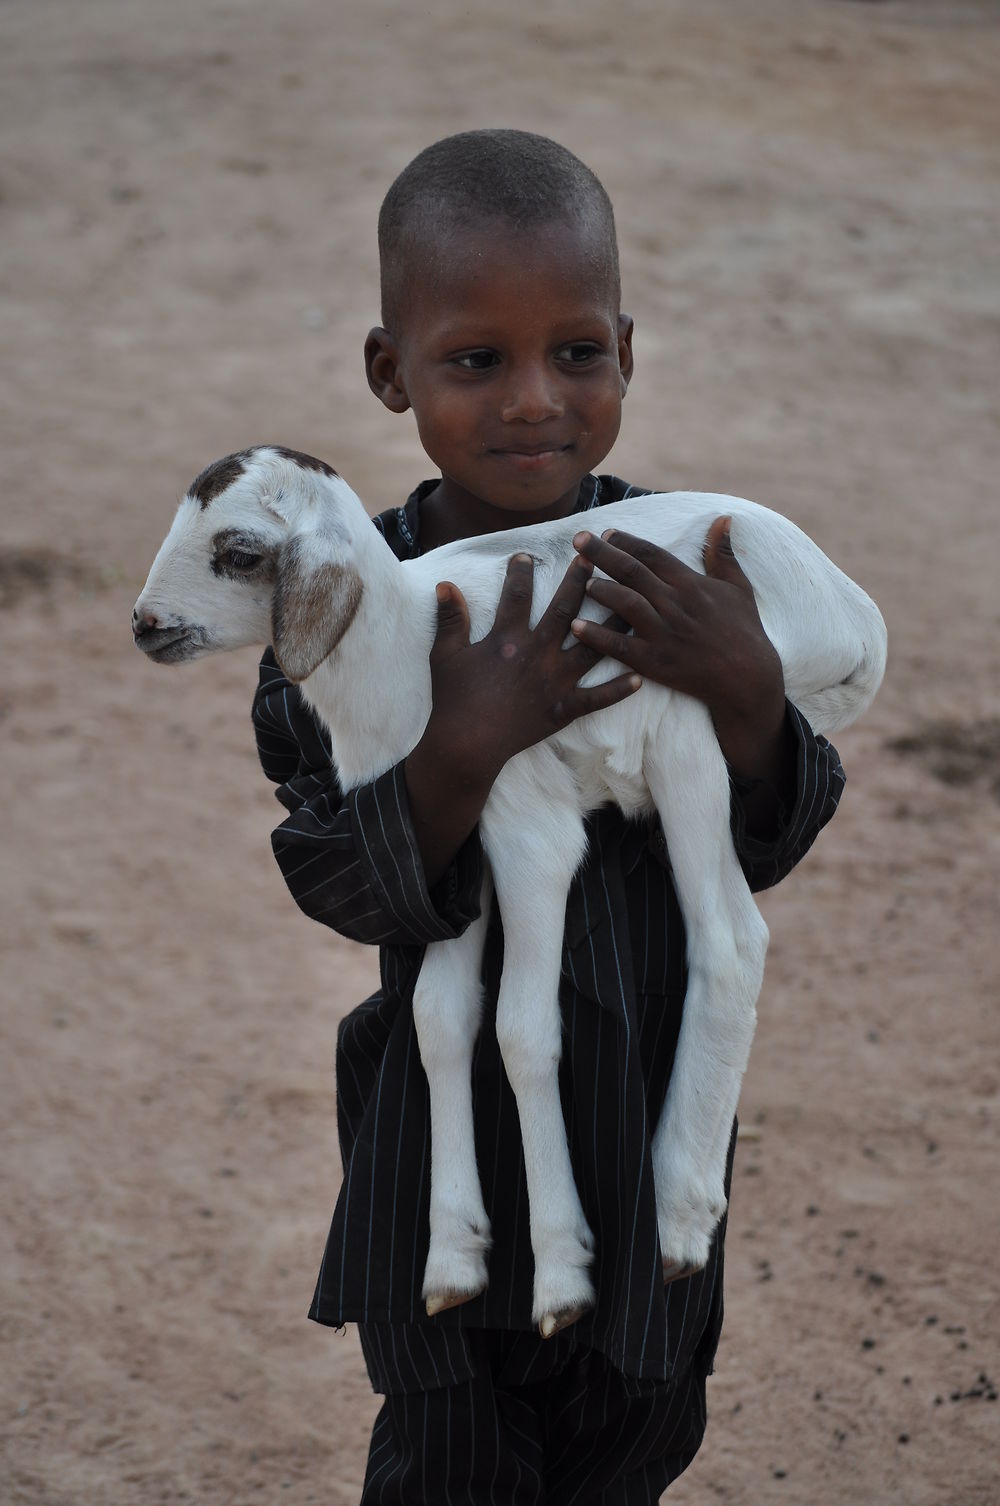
698, 634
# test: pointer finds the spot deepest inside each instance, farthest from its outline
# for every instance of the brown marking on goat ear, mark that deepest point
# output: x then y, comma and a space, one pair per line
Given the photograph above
312, 608
214, 479
307, 462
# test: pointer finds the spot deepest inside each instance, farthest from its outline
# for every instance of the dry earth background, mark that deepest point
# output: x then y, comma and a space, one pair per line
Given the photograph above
807, 195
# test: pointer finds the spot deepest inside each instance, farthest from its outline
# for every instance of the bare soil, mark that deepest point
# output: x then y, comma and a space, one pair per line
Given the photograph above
807, 199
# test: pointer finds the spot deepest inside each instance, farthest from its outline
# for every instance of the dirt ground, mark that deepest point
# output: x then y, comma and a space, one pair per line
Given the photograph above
807, 199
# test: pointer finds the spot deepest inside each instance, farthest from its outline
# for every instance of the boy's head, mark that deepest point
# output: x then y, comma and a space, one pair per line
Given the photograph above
489, 180
501, 312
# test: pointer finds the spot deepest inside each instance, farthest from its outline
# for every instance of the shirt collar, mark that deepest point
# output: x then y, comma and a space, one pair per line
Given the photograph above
590, 494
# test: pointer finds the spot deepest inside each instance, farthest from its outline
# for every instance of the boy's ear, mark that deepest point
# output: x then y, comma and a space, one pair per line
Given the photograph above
382, 370
626, 324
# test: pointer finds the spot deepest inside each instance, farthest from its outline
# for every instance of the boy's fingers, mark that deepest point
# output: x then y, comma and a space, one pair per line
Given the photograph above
606, 640
633, 562
514, 606
718, 557
452, 619
629, 605
566, 601
586, 699
587, 654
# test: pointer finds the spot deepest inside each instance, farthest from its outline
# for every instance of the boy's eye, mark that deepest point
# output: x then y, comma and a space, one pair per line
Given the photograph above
579, 352
477, 360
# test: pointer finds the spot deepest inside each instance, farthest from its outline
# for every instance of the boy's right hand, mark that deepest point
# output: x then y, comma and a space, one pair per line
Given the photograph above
518, 685
492, 699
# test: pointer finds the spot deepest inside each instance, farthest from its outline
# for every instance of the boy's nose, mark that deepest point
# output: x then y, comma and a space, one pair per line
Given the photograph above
532, 396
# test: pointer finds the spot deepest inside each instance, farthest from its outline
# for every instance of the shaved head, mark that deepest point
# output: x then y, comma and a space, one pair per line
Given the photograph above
504, 180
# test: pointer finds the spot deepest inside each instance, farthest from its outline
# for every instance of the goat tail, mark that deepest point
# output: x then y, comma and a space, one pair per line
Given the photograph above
838, 705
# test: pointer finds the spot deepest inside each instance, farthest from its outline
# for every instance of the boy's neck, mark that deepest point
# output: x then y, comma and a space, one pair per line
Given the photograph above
449, 512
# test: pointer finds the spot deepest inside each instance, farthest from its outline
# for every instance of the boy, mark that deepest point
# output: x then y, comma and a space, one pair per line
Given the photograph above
502, 331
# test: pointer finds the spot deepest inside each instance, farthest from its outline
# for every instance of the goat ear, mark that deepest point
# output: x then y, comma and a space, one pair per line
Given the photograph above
313, 606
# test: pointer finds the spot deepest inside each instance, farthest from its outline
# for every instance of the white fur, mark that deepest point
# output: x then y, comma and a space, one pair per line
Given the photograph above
655, 751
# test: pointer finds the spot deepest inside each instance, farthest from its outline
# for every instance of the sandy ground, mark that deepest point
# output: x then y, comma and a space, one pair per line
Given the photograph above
807, 196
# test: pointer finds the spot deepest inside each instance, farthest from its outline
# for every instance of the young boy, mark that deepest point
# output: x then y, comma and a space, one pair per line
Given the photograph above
502, 332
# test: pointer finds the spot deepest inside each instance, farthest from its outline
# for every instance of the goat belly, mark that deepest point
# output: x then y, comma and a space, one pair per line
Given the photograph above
599, 783
606, 751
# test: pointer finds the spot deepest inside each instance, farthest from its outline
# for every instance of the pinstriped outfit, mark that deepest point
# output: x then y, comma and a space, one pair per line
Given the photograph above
625, 1387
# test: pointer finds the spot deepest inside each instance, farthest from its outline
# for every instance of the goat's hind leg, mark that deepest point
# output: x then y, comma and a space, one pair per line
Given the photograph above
726, 945
447, 1005
535, 838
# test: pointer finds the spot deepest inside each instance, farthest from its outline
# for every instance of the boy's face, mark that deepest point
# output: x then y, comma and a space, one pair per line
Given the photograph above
514, 357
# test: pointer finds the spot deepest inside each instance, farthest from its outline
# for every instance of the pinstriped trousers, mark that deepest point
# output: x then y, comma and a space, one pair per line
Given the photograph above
587, 1435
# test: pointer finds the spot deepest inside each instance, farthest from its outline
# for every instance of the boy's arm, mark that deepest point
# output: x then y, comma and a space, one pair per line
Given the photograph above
352, 861
794, 819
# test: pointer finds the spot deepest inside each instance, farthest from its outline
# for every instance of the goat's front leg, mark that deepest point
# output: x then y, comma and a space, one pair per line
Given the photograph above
726, 945
447, 1005
534, 836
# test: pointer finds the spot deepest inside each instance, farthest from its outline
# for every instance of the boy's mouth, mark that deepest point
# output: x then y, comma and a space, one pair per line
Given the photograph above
530, 457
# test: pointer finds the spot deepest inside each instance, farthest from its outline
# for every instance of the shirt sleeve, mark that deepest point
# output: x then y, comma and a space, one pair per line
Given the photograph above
819, 784
351, 860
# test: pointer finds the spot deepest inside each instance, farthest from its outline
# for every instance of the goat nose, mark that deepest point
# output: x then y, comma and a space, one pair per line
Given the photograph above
143, 622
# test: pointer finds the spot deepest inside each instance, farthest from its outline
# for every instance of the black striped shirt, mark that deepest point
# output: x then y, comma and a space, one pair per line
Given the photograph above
351, 861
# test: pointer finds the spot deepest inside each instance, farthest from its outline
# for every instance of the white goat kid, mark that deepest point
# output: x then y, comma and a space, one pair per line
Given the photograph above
270, 545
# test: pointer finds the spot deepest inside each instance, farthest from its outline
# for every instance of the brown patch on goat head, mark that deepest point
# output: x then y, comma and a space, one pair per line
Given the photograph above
214, 479
312, 608
307, 462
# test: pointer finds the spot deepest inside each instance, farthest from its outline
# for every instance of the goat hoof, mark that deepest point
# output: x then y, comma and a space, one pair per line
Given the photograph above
552, 1323
439, 1302
674, 1272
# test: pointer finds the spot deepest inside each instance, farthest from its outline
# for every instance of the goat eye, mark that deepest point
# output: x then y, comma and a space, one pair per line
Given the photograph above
239, 559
